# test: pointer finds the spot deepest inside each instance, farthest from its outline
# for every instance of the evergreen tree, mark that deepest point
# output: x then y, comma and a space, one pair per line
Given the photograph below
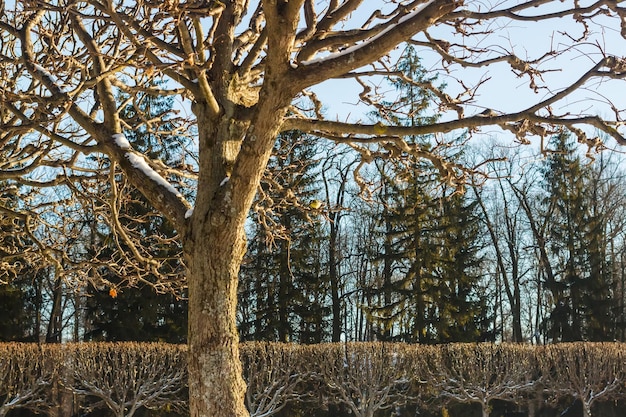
461, 317
283, 284
429, 237
581, 291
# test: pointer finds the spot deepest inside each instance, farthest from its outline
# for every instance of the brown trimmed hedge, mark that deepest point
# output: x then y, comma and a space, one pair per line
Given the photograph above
361, 378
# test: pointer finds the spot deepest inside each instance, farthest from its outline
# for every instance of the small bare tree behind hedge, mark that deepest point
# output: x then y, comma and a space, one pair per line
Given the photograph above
364, 377
27, 372
127, 376
481, 373
274, 376
588, 372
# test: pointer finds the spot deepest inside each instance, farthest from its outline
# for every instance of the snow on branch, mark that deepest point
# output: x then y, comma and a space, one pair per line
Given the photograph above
139, 162
156, 188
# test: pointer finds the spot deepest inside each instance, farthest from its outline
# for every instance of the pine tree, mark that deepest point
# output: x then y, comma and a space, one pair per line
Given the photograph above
429, 236
283, 284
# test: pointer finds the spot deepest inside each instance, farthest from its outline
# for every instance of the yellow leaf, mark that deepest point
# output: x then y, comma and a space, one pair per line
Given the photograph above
315, 204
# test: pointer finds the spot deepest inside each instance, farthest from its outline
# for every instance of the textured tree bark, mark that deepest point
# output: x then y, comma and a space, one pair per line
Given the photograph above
216, 386
214, 246
232, 160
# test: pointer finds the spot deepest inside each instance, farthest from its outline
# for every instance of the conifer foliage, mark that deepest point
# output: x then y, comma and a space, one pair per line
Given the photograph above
283, 284
429, 247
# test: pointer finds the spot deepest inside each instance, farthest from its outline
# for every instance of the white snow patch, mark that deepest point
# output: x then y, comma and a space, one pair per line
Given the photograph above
140, 163
121, 141
55, 80
224, 181
189, 213
356, 47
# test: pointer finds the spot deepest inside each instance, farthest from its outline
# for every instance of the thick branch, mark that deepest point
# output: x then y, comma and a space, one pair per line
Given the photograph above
356, 56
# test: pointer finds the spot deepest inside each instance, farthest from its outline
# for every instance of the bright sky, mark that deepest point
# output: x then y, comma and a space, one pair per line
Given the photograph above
505, 92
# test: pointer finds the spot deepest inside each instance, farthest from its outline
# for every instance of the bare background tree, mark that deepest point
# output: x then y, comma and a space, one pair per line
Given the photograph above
586, 372
126, 377
248, 71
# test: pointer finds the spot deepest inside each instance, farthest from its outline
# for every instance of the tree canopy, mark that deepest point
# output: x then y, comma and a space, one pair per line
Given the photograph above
241, 72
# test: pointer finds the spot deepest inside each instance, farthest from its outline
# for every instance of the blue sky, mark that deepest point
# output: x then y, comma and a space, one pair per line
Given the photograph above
504, 91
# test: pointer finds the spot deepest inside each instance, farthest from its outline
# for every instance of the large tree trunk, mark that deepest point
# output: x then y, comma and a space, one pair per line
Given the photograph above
216, 386
215, 244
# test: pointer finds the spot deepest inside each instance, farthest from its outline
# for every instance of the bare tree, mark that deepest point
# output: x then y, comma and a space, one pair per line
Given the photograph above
335, 173
274, 377
124, 377
249, 68
481, 373
502, 222
27, 372
588, 372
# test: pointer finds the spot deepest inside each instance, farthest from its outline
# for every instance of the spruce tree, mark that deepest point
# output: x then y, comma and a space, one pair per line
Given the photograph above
284, 288
581, 292
429, 234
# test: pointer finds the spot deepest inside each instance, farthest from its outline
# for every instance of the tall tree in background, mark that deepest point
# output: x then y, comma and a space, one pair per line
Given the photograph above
429, 231
565, 189
336, 170
461, 315
284, 284
577, 240
503, 217
605, 211
248, 68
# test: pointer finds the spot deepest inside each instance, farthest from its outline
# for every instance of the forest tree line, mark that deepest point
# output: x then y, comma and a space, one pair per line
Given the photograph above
532, 250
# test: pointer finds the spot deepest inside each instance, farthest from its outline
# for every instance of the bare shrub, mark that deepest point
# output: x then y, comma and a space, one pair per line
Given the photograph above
364, 377
273, 375
124, 377
26, 375
481, 373
589, 372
